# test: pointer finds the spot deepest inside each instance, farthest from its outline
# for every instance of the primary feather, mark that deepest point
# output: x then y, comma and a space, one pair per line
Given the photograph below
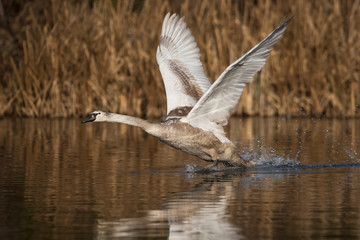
213, 109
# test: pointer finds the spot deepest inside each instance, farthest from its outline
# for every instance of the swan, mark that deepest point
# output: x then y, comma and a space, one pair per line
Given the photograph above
197, 110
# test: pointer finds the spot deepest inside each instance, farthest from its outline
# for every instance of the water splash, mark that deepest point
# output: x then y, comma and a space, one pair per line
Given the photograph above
270, 158
190, 168
353, 154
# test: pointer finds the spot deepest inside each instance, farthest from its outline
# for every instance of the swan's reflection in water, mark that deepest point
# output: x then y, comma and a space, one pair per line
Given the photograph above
190, 215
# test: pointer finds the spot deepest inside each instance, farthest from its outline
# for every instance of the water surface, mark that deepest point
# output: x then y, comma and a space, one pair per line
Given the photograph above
60, 179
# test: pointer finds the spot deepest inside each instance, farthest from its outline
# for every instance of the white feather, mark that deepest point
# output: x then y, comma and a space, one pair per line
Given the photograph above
213, 109
178, 50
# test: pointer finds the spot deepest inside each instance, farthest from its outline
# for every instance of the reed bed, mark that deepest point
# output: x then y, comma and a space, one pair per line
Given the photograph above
67, 58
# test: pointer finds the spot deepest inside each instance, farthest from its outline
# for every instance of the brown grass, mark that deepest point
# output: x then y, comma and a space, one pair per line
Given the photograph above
68, 58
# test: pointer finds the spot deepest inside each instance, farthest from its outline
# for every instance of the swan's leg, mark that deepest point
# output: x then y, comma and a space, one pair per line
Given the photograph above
238, 161
249, 163
215, 159
212, 165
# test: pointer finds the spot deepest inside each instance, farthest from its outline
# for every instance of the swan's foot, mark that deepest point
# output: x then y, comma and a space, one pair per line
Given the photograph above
229, 165
249, 163
207, 169
212, 165
242, 164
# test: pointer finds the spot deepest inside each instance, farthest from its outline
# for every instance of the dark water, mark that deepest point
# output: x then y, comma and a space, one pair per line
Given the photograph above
64, 180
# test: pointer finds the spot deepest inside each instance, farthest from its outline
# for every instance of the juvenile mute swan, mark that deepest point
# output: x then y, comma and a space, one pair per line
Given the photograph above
196, 110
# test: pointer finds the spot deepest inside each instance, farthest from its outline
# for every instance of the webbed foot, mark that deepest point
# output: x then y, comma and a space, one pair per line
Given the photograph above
249, 163
243, 164
212, 165
206, 169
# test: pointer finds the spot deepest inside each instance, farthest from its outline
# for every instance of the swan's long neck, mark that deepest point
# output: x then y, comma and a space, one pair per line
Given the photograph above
133, 121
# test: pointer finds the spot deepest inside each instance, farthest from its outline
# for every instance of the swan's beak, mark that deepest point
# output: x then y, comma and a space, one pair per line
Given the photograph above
90, 118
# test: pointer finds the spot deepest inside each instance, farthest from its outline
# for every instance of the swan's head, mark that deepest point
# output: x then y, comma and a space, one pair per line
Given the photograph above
97, 116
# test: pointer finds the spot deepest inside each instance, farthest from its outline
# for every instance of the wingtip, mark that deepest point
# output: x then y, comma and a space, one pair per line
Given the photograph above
285, 21
169, 20
282, 26
167, 16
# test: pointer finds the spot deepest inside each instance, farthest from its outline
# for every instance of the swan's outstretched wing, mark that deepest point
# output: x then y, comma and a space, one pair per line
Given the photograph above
212, 111
179, 60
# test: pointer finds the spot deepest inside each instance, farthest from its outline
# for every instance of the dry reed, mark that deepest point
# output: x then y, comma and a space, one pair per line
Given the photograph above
67, 58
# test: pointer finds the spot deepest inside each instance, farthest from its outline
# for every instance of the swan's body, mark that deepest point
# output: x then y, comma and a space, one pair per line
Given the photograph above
196, 110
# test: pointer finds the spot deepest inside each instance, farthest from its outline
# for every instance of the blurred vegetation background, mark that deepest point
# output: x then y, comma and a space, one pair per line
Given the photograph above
68, 58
